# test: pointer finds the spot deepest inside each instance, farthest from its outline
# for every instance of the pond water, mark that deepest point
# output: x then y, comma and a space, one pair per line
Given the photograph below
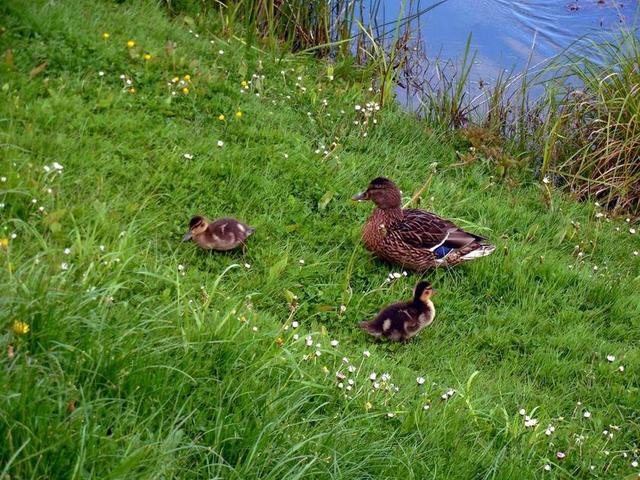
504, 31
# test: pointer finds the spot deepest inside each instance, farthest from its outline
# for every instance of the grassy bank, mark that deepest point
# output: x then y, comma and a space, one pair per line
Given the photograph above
146, 358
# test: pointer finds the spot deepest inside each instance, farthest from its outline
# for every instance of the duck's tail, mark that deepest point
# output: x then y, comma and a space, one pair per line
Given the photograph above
467, 253
369, 328
480, 250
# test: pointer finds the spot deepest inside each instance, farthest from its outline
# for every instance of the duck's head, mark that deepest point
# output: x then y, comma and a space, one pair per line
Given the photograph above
422, 292
381, 191
197, 225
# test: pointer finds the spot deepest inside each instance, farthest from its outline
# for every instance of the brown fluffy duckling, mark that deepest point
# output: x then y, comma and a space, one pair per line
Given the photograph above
221, 235
414, 238
403, 320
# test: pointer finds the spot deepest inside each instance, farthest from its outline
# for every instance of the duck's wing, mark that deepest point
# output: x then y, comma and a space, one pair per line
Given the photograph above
425, 230
230, 230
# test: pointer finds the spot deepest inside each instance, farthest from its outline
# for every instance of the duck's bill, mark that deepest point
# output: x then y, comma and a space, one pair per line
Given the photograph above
359, 197
187, 236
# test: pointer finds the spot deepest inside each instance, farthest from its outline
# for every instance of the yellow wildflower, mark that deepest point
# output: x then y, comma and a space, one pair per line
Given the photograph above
244, 84
131, 44
175, 79
147, 56
4, 243
279, 341
368, 406
20, 328
187, 78
221, 117
238, 114
132, 90
185, 90
106, 35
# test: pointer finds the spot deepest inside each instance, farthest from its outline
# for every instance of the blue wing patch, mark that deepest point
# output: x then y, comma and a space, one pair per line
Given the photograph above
442, 251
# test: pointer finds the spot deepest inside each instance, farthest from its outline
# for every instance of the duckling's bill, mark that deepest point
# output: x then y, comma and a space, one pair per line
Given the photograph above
187, 236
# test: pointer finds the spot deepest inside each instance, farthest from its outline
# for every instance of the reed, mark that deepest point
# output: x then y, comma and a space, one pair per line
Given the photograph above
592, 143
583, 129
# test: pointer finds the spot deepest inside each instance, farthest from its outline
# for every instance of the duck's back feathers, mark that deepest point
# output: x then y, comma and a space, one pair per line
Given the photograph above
227, 233
420, 240
400, 321
424, 229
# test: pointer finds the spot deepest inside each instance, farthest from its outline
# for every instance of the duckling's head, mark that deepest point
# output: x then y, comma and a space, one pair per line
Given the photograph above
197, 225
383, 192
423, 292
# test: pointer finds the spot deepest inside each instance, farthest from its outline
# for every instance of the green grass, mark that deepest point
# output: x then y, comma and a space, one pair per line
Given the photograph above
133, 368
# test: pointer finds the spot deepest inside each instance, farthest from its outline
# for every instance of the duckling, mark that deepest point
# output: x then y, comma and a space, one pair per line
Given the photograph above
402, 320
413, 238
221, 235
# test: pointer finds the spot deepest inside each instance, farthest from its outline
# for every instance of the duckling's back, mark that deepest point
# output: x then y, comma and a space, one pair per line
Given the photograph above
394, 322
224, 234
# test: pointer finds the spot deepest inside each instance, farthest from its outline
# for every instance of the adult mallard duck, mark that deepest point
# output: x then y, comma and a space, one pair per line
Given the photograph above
413, 238
223, 234
403, 320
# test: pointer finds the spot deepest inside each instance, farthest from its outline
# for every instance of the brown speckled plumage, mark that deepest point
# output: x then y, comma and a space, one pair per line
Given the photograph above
221, 235
412, 238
